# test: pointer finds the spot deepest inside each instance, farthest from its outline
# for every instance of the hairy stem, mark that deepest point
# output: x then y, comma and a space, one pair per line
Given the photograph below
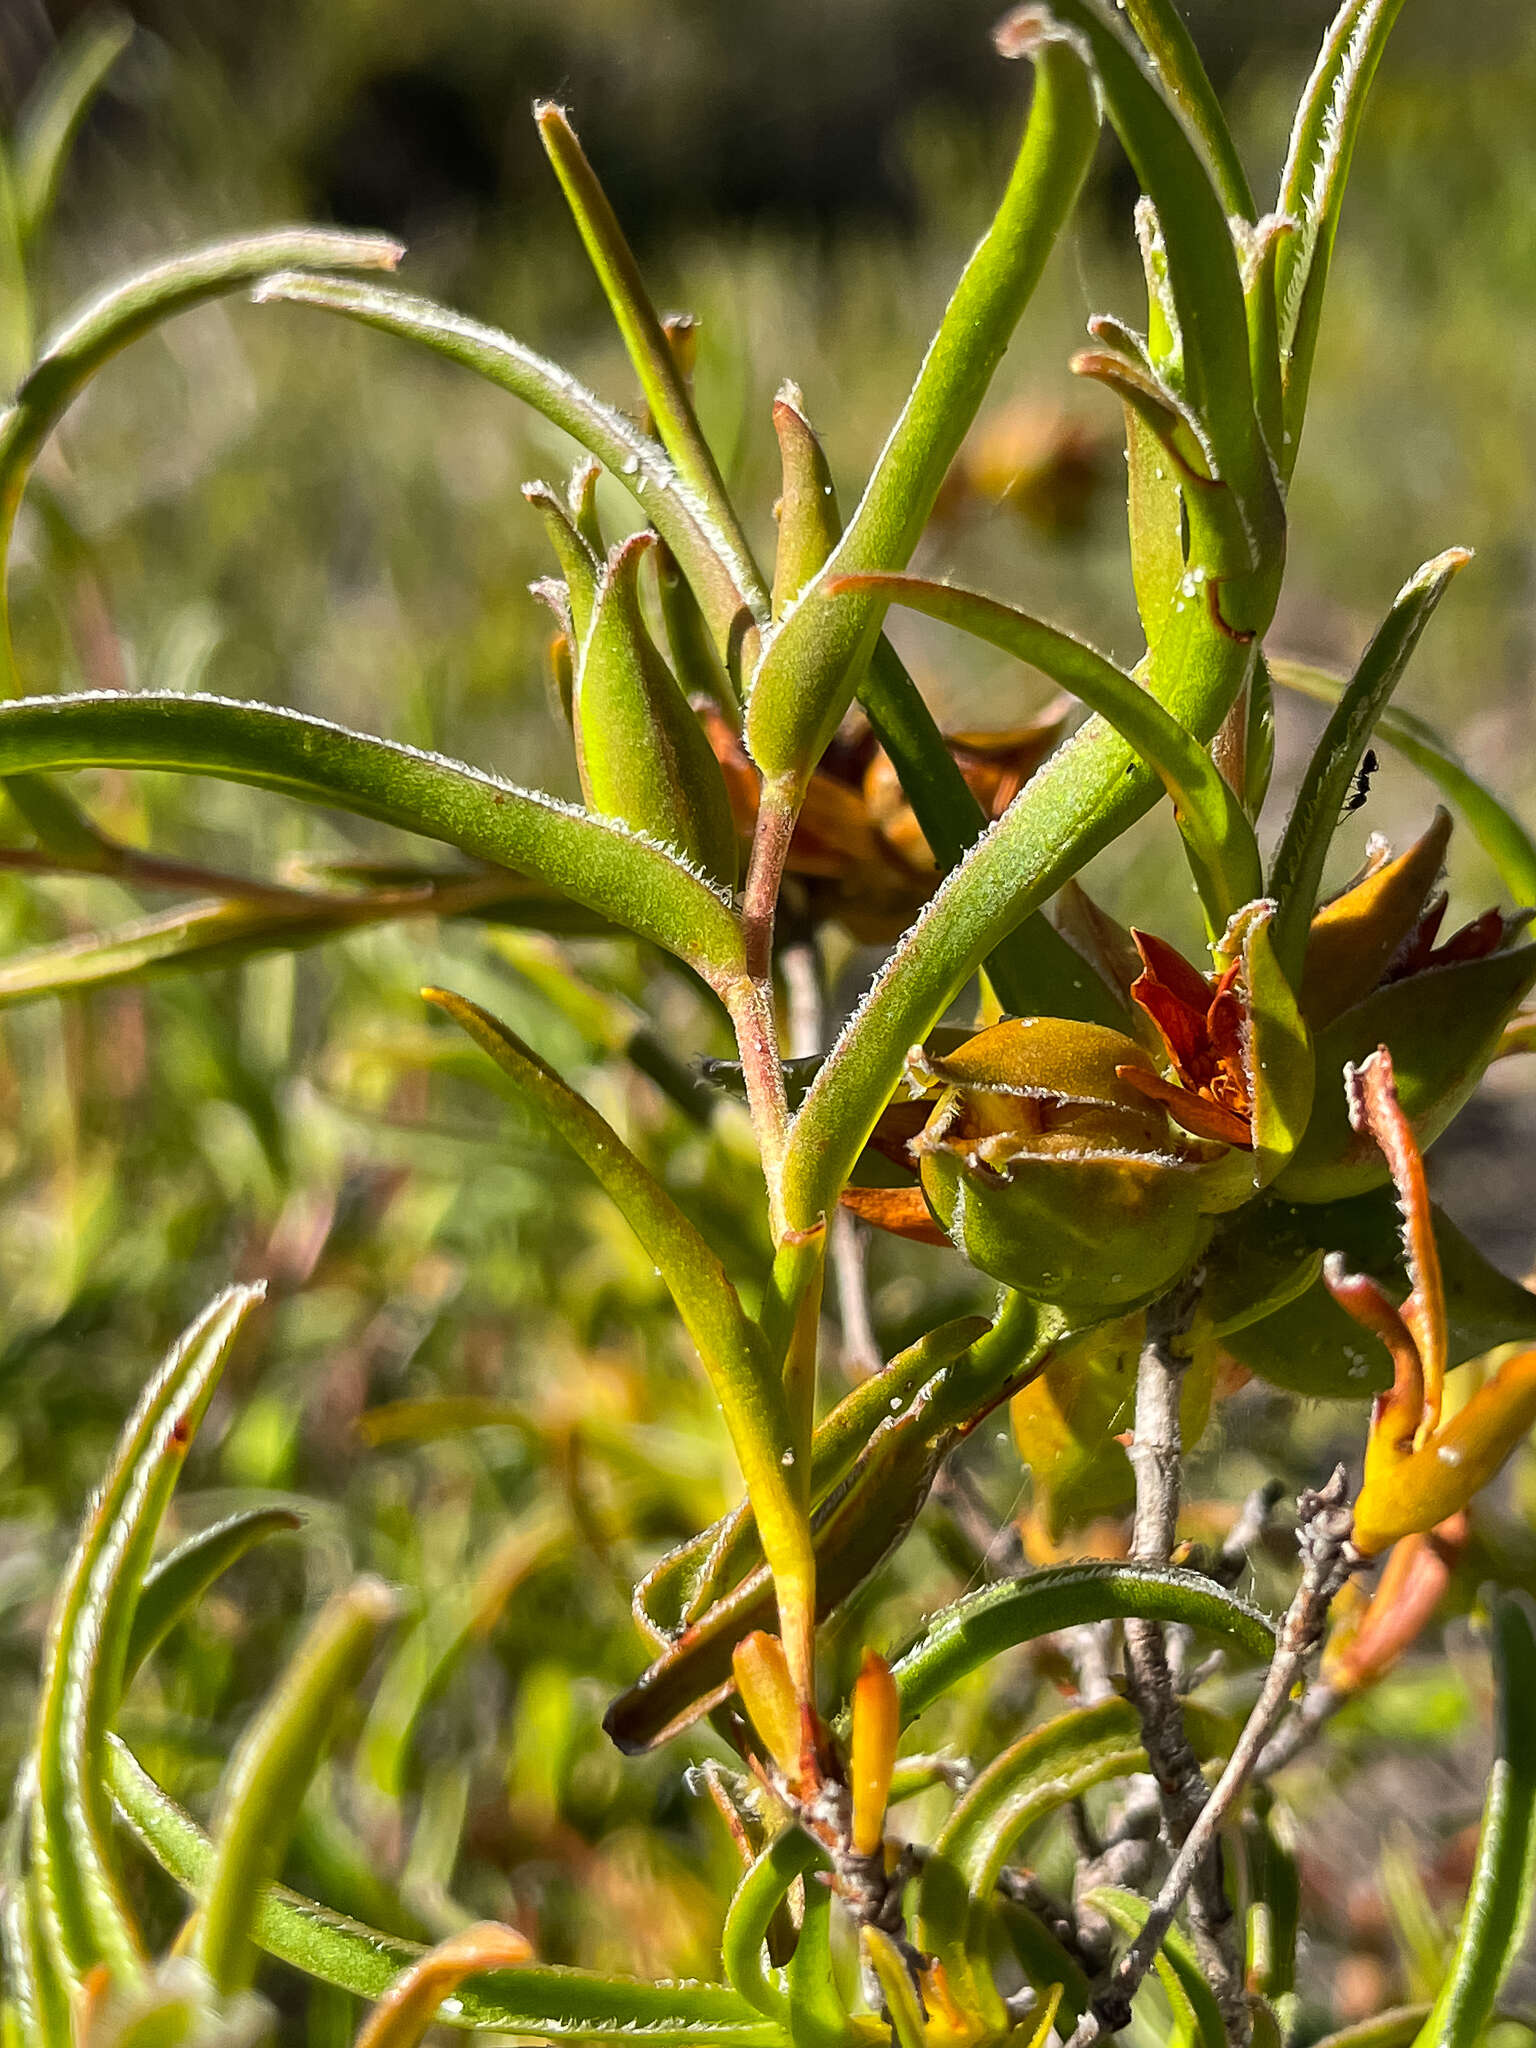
805, 1010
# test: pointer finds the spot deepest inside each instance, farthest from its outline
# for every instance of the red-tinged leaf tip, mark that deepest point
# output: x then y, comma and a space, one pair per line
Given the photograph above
1024, 30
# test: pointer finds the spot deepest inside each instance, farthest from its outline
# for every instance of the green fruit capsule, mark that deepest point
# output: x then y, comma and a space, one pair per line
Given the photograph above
1051, 1173
641, 751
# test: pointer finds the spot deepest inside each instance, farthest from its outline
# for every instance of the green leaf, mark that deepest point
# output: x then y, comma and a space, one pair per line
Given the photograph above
688, 1579
810, 522
598, 862
997, 1618
1282, 1065
645, 343
721, 581
814, 659
791, 1854
1223, 851
1309, 1345
579, 566
1171, 47
548, 2000
820, 2017
55, 107
1297, 869
270, 1772
225, 931
1312, 191
1205, 287
35, 1991
93, 336
1089, 792
452, 1618
1504, 1875
1191, 1998
1398, 2027
1443, 1027
749, 1391
855, 1527
86, 1916
68, 362
641, 750
177, 1581
1019, 1789
1494, 825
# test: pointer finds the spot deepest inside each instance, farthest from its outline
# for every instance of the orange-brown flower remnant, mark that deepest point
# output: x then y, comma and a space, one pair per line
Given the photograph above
1202, 1023
1419, 1471
1368, 1641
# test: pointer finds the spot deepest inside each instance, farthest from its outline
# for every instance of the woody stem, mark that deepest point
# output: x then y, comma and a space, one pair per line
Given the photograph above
1157, 1456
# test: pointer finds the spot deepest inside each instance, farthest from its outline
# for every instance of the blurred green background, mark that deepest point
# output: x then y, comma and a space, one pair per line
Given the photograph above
263, 504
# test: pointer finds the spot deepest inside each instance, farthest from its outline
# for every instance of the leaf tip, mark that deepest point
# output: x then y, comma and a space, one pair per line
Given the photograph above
1025, 30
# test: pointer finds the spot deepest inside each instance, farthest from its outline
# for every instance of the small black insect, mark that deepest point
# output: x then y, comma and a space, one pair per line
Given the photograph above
1360, 788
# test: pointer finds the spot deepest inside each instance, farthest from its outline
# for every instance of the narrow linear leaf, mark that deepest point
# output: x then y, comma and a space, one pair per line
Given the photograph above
1223, 851
597, 861
640, 748
54, 109
1494, 825
821, 2017
855, 1526
756, 1899
1312, 191
270, 1772
1297, 869
1203, 277
1171, 47
809, 518
814, 660
1188, 1993
178, 1581
86, 1917
1504, 1875
997, 1618
68, 362
645, 342
109, 323
223, 932
721, 581
1398, 2027
1018, 1790
543, 1999
749, 1391
36, 1993
1034, 970
403, 2015
1085, 796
